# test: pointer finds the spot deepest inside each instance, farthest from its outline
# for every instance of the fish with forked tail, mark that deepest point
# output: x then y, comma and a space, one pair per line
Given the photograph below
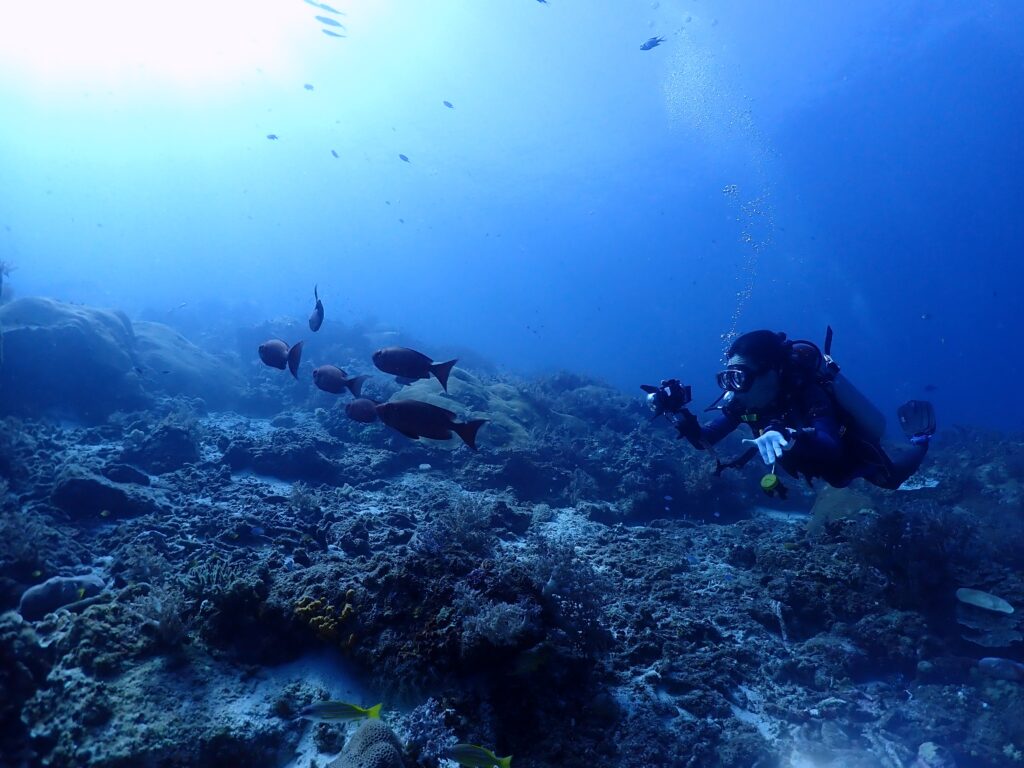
408, 365
331, 378
277, 354
416, 419
474, 756
316, 319
338, 711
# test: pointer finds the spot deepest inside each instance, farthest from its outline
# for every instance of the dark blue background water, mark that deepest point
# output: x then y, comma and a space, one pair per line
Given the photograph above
585, 205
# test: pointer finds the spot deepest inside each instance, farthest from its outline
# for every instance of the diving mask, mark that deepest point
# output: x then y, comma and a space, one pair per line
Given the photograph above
737, 378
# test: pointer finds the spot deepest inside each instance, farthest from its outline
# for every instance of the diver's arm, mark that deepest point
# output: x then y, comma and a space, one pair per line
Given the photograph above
820, 441
702, 437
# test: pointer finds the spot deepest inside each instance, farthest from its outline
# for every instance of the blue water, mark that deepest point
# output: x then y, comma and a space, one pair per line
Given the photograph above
584, 205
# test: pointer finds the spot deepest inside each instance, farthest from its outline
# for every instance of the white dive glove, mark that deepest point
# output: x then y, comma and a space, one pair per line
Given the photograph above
771, 445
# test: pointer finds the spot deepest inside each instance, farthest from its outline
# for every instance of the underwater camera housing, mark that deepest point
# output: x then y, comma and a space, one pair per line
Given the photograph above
669, 397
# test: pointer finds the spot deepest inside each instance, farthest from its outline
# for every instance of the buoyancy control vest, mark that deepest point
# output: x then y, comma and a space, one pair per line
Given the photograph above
855, 410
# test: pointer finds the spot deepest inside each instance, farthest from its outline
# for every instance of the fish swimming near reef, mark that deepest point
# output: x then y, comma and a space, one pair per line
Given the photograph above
316, 319
403, 158
652, 42
329, 21
416, 419
408, 365
448, 104
473, 756
329, 33
361, 409
338, 711
1002, 669
277, 354
330, 378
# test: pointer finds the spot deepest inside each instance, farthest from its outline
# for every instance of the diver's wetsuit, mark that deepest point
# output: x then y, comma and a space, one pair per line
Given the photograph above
824, 445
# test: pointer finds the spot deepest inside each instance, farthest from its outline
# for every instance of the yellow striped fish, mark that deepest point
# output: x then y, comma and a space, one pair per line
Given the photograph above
473, 756
337, 711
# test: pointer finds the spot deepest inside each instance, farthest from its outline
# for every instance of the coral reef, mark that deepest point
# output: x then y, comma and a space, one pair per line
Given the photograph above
581, 591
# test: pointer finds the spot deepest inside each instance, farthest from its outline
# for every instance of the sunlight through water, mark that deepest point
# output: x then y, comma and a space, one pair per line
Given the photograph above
188, 44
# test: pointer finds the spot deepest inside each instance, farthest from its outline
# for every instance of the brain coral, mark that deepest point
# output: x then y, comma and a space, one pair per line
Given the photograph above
373, 745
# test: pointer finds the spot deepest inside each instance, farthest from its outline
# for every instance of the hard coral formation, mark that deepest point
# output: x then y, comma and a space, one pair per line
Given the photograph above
45, 342
329, 623
373, 745
57, 592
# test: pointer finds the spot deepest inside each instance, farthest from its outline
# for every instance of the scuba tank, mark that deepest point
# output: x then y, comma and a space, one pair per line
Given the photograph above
862, 414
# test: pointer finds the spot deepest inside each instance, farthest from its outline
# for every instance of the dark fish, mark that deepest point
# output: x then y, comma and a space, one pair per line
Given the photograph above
316, 319
272, 136
330, 378
362, 410
652, 42
308, 86
332, 34
329, 21
448, 104
277, 354
411, 365
334, 153
416, 419
324, 7
403, 158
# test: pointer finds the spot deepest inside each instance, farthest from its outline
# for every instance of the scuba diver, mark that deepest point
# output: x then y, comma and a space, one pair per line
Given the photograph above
804, 415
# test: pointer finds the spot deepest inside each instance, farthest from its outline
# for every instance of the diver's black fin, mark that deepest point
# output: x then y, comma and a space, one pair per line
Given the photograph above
917, 419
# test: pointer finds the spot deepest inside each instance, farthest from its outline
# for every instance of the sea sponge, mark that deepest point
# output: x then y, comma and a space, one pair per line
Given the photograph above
373, 745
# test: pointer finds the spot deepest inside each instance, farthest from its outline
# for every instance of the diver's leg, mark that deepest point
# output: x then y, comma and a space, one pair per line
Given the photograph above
894, 472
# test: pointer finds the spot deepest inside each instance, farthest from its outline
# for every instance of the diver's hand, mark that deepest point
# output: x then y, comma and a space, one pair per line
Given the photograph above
771, 444
686, 425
